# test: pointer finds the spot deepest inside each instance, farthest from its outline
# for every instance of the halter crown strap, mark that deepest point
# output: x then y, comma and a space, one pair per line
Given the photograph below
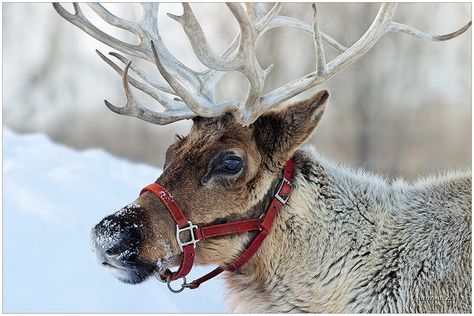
263, 225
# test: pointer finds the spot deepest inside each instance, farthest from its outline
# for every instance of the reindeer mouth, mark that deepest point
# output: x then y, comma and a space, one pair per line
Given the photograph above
132, 272
117, 271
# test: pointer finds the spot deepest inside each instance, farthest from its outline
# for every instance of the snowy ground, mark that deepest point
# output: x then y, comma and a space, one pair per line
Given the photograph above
52, 196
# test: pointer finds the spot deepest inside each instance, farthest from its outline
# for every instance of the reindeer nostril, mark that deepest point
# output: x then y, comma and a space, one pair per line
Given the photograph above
114, 250
110, 252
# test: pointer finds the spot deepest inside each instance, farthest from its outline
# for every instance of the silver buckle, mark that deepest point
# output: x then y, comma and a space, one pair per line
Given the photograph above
193, 240
278, 197
183, 286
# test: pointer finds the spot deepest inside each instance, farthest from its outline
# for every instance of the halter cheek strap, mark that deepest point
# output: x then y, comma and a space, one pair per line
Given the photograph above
262, 224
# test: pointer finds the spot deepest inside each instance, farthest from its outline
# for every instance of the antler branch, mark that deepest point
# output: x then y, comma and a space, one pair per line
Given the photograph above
318, 44
185, 93
381, 25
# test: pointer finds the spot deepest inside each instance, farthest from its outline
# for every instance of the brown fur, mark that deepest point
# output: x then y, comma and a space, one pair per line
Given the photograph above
264, 146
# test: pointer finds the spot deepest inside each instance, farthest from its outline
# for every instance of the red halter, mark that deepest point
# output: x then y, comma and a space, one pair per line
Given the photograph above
263, 224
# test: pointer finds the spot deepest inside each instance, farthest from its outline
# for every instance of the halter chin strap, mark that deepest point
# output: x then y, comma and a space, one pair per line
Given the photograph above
263, 224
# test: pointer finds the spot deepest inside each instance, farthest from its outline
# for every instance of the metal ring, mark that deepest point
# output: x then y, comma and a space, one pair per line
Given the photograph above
168, 281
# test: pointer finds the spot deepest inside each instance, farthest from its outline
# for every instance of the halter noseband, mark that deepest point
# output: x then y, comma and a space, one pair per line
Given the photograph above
263, 224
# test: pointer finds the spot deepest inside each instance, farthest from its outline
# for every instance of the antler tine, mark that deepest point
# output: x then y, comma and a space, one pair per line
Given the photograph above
282, 21
148, 89
410, 30
198, 40
265, 19
246, 61
199, 104
256, 11
381, 25
318, 44
243, 60
116, 21
79, 20
135, 109
158, 84
366, 42
264, 22
145, 30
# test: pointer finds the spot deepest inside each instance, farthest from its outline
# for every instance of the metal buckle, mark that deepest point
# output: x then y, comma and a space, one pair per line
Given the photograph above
278, 197
193, 240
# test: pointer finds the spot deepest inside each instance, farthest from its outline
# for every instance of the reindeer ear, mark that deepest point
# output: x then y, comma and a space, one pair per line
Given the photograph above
278, 134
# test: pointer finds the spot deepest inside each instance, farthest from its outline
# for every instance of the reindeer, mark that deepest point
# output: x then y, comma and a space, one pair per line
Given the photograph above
291, 230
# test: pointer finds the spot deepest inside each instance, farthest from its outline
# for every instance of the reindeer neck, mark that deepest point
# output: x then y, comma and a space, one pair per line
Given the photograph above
325, 231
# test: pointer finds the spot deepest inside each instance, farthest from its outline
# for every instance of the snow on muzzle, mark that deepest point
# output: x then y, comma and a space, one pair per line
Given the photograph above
116, 243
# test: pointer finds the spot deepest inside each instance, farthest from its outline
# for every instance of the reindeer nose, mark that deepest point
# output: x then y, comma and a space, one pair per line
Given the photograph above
114, 241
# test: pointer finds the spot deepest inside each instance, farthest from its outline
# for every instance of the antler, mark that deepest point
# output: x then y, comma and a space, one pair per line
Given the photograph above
185, 93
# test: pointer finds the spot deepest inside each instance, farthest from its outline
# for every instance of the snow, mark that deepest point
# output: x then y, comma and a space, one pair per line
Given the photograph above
52, 197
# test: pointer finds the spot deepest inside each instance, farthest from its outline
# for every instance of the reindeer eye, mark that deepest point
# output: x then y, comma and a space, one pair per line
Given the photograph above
227, 163
232, 165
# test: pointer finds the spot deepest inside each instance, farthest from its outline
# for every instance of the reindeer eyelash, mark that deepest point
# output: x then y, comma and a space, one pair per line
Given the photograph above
178, 137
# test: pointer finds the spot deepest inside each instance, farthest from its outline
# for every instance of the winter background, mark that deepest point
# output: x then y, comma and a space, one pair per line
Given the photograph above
404, 109
53, 196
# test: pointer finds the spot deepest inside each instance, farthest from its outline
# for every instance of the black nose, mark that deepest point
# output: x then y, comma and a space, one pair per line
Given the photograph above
116, 241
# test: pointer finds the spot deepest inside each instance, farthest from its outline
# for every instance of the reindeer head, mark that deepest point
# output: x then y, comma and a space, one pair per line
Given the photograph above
218, 173
224, 170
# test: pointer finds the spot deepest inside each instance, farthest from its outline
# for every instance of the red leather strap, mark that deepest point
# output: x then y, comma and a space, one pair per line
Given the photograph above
266, 225
186, 265
195, 284
169, 202
263, 225
188, 251
227, 228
